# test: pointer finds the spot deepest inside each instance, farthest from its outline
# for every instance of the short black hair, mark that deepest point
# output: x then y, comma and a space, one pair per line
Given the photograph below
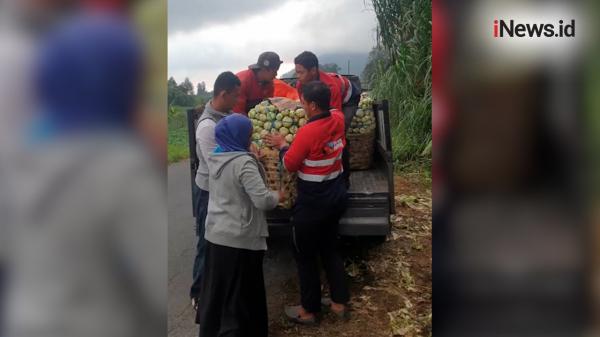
226, 81
307, 59
318, 92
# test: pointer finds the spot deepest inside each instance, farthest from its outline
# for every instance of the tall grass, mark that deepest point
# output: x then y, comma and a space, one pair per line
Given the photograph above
403, 74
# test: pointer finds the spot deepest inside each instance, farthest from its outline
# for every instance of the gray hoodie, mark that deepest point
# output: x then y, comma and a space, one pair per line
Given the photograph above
238, 199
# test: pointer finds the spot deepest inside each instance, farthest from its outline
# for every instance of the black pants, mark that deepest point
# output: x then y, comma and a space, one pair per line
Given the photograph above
315, 234
200, 201
233, 300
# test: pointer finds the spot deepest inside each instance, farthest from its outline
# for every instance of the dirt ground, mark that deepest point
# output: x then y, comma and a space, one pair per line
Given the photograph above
390, 281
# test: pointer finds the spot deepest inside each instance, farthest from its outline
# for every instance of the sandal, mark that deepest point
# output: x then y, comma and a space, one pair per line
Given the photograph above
293, 314
326, 305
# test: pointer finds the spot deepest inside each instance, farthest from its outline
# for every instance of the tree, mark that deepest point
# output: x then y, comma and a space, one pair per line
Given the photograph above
181, 94
201, 91
330, 67
172, 89
376, 56
187, 87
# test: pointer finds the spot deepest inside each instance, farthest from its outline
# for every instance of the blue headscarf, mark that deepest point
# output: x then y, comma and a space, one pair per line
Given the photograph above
88, 75
232, 133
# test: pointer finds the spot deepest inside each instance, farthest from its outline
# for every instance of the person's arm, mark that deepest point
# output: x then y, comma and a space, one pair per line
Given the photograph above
294, 155
254, 185
205, 139
336, 98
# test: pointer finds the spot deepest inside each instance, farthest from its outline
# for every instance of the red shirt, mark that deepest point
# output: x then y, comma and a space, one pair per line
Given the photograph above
345, 87
316, 153
251, 91
334, 85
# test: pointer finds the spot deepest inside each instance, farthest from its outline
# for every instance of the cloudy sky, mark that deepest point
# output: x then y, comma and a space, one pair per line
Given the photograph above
207, 37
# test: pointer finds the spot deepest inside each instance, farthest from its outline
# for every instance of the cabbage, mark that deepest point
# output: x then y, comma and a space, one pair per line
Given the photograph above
287, 122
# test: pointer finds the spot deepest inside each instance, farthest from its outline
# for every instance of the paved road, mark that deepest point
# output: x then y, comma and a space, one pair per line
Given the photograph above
279, 266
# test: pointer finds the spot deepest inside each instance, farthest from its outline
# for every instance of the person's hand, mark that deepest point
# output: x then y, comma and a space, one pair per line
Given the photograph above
275, 140
255, 150
282, 196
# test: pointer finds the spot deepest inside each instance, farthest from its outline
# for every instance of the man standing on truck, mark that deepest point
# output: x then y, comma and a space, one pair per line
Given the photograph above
316, 156
257, 82
225, 95
307, 70
345, 95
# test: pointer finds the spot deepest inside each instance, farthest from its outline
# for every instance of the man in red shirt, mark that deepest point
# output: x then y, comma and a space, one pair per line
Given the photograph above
344, 95
307, 70
257, 81
316, 155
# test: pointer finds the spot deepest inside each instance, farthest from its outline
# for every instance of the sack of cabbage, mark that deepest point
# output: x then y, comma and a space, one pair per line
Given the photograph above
364, 119
363, 122
361, 135
269, 118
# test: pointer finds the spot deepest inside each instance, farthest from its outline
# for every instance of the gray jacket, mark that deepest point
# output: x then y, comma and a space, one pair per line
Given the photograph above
205, 142
238, 199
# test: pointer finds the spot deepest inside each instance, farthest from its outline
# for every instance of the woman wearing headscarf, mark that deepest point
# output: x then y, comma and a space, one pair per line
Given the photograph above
233, 299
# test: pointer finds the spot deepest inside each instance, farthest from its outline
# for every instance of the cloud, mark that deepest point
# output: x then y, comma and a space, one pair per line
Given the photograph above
334, 26
188, 15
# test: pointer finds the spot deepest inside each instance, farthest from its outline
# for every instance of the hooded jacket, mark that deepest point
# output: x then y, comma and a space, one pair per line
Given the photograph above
238, 198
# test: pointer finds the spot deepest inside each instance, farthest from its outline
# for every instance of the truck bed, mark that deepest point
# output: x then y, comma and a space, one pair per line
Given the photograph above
368, 206
367, 182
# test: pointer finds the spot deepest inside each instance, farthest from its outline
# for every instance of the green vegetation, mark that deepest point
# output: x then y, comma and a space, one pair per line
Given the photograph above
178, 136
184, 94
181, 98
399, 70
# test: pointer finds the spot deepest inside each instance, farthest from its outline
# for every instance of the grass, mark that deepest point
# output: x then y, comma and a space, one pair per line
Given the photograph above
403, 76
177, 149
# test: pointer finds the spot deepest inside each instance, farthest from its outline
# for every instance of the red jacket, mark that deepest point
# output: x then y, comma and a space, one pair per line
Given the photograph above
316, 153
283, 89
334, 85
251, 91
345, 87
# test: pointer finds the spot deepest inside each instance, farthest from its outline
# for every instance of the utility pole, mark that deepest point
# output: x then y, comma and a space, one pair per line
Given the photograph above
348, 68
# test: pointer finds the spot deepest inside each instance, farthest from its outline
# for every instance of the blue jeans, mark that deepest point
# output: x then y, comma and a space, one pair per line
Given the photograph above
200, 203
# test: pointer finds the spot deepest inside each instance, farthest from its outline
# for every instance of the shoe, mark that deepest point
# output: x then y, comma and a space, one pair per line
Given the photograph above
326, 305
293, 314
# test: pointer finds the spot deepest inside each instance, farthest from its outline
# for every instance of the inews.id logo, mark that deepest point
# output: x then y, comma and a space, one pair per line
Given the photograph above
502, 28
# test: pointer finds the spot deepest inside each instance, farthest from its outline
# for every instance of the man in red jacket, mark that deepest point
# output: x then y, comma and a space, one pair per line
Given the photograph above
307, 70
257, 81
344, 95
316, 155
